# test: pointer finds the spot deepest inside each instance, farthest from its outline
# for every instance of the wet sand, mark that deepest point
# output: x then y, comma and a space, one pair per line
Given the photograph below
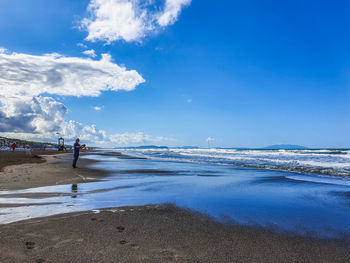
156, 234
50, 168
119, 155
141, 234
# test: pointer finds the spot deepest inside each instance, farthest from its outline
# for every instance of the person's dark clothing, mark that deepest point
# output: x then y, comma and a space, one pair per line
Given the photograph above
76, 157
76, 154
76, 150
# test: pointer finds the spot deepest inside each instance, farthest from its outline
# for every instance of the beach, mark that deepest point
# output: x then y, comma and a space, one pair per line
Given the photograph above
156, 234
42, 168
147, 233
174, 131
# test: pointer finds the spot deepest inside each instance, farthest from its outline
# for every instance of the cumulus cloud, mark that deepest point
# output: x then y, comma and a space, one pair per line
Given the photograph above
27, 111
34, 115
115, 19
90, 134
129, 20
27, 80
138, 138
28, 76
90, 53
171, 11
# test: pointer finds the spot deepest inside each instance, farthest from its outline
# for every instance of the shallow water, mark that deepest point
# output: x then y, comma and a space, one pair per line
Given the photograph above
316, 205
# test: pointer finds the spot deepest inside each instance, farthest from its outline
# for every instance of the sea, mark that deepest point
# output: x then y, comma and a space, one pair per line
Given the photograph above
304, 192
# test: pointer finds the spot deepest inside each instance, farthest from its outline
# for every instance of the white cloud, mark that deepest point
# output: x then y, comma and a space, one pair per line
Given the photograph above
27, 76
25, 81
90, 53
171, 11
82, 45
87, 133
189, 100
2, 50
70, 130
138, 138
93, 136
115, 19
26, 110
98, 108
129, 20
31, 115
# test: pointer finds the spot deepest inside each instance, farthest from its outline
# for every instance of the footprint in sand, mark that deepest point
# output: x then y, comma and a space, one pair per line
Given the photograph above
120, 228
123, 242
30, 245
40, 260
95, 219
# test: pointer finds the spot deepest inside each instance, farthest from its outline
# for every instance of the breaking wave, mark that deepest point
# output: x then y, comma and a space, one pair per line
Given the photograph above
322, 161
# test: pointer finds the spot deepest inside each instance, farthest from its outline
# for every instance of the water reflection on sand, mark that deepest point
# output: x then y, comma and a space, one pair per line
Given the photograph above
306, 204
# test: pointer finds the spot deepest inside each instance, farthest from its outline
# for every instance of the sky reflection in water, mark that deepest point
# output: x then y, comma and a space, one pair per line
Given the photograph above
306, 204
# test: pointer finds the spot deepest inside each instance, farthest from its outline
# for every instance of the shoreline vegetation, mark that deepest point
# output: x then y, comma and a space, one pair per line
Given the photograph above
151, 233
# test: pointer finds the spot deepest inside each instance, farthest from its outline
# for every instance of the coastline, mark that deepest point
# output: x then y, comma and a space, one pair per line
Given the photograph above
150, 233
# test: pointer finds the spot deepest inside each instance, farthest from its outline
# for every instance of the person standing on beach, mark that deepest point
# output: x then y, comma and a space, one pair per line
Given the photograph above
76, 151
13, 146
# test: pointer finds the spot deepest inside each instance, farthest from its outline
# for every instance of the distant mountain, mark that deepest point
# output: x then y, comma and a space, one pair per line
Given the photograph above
285, 146
186, 147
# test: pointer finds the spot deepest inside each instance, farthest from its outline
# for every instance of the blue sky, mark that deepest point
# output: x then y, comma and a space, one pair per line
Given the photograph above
246, 73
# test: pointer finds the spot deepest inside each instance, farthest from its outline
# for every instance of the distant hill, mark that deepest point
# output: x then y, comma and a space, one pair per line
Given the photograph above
285, 146
186, 147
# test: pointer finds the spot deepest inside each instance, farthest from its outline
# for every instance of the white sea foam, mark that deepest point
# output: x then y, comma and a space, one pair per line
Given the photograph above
323, 161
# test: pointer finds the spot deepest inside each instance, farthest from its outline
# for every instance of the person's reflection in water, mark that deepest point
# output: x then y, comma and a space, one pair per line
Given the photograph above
74, 190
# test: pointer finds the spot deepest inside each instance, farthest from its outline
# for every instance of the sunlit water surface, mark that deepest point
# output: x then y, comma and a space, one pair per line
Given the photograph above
308, 204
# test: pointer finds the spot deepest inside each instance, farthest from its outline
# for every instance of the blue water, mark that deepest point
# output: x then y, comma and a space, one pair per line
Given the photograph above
307, 204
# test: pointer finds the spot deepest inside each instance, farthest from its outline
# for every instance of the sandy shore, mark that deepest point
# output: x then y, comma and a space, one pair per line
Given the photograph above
20, 157
155, 234
141, 234
49, 168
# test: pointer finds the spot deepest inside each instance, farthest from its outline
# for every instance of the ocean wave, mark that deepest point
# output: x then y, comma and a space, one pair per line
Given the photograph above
319, 161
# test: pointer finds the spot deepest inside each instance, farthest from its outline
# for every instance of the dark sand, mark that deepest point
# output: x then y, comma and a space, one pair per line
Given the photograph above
155, 234
141, 234
15, 158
